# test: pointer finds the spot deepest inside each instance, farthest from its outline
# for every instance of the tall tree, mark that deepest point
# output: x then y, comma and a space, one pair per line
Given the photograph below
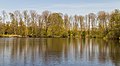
92, 20
56, 24
33, 22
1, 26
22, 28
26, 20
114, 25
81, 21
45, 16
66, 22
40, 25
102, 17
4, 20
13, 23
75, 25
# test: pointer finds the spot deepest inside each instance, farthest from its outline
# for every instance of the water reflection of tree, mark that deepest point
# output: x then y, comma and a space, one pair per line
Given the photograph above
114, 47
30, 51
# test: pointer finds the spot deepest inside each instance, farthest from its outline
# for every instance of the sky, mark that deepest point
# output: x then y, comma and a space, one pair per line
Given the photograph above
71, 7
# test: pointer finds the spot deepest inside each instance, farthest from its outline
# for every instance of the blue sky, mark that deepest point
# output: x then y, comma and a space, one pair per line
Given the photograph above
71, 7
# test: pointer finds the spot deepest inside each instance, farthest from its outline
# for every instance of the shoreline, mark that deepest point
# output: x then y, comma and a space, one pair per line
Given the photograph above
19, 36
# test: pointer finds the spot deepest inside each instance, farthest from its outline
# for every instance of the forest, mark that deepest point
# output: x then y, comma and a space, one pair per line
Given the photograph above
50, 24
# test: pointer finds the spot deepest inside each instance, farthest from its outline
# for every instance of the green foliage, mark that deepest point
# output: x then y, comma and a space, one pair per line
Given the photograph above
114, 29
114, 33
56, 25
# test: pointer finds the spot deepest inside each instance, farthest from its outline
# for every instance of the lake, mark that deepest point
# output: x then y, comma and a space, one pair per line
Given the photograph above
58, 52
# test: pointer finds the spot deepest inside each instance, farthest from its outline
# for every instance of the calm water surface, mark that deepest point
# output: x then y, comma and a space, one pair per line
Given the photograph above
58, 52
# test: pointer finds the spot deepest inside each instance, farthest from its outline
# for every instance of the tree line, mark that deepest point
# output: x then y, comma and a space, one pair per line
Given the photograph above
50, 24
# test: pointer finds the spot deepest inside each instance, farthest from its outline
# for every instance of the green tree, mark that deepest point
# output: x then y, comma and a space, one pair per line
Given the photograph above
22, 28
33, 23
56, 25
114, 29
102, 19
2, 28
92, 19
26, 20
45, 16
66, 25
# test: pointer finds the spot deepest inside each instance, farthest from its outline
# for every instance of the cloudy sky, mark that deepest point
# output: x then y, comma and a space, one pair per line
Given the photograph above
71, 7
